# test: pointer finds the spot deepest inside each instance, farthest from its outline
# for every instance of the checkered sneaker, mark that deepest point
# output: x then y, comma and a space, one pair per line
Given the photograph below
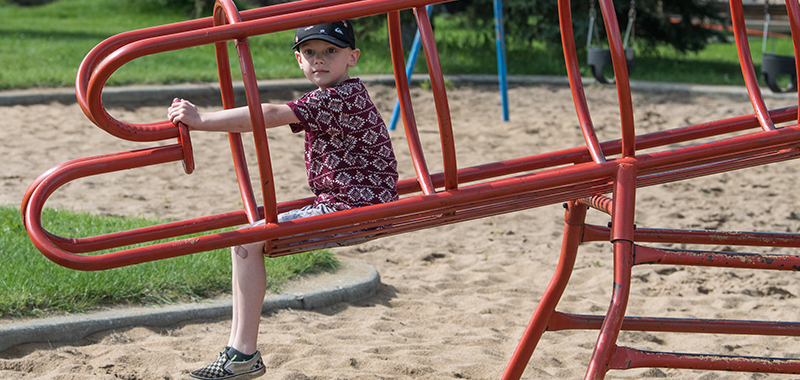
224, 368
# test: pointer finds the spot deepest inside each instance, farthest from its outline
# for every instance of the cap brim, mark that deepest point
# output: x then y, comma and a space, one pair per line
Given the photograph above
323, 37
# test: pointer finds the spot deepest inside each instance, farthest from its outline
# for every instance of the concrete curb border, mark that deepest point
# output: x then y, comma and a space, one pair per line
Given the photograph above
164, 94
353, 282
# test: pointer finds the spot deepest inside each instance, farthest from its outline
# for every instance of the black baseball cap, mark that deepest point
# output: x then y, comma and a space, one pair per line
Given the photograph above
339, 33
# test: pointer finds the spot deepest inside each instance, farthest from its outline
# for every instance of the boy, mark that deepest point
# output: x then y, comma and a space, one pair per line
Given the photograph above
349, 162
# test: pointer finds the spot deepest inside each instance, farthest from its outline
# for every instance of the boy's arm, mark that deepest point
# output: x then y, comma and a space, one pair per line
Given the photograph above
229, 120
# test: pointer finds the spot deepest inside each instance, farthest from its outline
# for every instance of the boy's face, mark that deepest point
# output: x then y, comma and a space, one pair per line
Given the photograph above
324, 63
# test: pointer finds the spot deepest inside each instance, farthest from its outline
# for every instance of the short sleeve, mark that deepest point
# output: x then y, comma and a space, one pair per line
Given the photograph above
302, 114
320, 111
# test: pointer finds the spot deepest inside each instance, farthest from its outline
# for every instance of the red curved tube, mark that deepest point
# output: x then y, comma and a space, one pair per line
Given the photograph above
158, 42
228, 9
622, 79
234, 139
439, 97
406, 108
575, 82
108, 46
793, 10
746, 63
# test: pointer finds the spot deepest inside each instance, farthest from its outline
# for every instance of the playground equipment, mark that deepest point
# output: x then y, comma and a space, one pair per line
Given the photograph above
500, 43
581, 177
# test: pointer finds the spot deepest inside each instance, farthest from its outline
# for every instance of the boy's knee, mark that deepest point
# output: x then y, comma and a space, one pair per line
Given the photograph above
246, 250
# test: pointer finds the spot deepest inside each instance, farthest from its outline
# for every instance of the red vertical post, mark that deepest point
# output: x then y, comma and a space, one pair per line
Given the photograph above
622, 239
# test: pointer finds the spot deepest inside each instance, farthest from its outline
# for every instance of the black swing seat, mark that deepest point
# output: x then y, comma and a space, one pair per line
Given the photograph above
774, 65
598, 58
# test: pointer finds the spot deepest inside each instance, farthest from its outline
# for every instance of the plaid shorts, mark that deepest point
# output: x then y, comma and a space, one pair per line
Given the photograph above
298, 213
308, 211
304, 212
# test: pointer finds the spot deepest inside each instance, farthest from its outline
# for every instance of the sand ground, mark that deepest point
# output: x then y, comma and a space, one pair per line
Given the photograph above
455, 299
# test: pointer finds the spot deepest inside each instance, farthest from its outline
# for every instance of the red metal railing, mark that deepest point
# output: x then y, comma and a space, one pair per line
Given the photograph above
578, 176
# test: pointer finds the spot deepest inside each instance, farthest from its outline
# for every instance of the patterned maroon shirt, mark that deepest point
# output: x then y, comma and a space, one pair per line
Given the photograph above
348, 153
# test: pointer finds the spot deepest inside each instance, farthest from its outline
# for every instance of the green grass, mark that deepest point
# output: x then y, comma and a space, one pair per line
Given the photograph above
43, 47
717, 64
31, 285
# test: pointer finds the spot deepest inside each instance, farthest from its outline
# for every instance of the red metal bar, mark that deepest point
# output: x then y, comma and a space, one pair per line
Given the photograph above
629, 358
574, 217
576, 83
256, 114
728, 162
621, 75
579, 154
793, 10
439, 97
732, 147
623, 202
228, 102
650, 255
657, 235
566, 321
746, 62
475, 211
539, 194
599, 202
609, 330
406, 108
622, 240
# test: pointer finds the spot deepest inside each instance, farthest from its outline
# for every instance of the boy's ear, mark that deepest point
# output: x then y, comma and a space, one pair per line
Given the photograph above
299, 58
354, 54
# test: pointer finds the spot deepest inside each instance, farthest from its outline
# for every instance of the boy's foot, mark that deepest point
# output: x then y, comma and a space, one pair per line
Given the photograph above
224, 368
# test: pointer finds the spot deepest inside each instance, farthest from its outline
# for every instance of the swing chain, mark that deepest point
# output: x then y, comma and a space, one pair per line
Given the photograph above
630, 32
592, 26
632, 11
765, 35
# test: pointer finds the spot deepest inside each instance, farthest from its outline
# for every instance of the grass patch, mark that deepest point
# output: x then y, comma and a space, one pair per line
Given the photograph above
32, 285
717, 64
43, 46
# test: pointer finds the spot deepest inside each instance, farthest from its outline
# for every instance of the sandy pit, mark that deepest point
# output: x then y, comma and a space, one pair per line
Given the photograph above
454, 299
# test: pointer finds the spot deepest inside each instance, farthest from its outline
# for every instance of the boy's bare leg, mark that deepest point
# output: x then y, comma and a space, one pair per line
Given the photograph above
234, 297
249, 287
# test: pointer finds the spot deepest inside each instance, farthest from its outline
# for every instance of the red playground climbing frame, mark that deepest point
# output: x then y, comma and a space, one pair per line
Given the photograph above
581, 177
